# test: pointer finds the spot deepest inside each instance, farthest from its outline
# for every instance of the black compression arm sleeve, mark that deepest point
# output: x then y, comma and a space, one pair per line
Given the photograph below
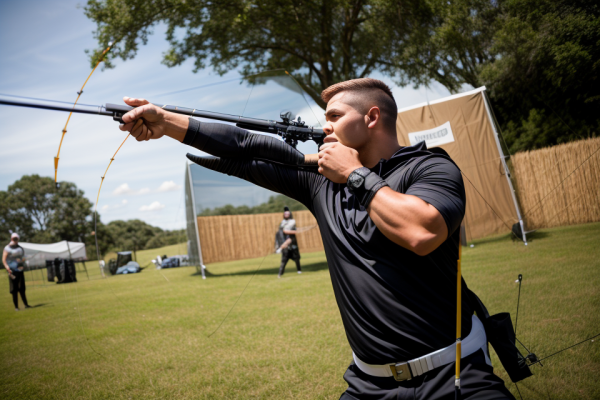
229, 141
260, 159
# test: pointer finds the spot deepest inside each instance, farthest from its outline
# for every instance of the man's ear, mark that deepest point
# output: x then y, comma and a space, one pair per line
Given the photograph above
374, 117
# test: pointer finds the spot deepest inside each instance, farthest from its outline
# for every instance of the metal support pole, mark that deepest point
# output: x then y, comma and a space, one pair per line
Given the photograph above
506, 171
191, 183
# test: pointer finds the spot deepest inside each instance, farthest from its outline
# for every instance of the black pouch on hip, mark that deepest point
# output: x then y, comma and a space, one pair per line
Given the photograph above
501, 335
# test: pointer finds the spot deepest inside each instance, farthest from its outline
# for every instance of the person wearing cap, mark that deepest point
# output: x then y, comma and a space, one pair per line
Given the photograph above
389, 217
289, 248
12, 258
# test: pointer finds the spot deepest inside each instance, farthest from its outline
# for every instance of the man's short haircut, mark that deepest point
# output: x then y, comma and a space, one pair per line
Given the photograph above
364, 94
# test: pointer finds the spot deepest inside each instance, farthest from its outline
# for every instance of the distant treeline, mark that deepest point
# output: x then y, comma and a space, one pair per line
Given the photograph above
42, 213
274, 204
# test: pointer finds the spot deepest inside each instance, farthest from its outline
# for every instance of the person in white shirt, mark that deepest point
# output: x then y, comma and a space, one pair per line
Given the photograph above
12, 258
289, 248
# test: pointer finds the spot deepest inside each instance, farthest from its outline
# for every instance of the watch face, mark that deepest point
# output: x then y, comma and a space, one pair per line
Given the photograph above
355, 181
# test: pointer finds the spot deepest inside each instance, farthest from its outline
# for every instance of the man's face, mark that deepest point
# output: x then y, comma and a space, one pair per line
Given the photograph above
345, 124
286, 214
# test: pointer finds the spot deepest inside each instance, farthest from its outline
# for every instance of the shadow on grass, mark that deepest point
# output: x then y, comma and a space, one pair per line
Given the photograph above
41, 305
290, 268
535, 235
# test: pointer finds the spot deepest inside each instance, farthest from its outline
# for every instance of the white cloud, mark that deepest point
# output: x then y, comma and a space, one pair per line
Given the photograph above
168, 186
154, 206
114, 206
125, 189
122, 189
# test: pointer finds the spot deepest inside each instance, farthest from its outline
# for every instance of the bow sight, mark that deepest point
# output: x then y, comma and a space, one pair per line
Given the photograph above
291, 131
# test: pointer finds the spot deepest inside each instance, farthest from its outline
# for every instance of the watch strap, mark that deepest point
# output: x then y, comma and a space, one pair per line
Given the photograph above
362, 171
372, 184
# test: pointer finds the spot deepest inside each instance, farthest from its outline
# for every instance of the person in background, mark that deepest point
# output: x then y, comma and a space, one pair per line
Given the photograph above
12, 258
289, 248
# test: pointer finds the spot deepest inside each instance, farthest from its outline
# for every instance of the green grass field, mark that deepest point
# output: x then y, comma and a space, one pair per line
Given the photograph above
152, 335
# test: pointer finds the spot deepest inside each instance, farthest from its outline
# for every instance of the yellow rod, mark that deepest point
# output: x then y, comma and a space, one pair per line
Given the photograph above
458, 312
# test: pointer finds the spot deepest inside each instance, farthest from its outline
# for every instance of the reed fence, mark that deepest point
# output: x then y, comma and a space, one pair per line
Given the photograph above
559, 185
236, 237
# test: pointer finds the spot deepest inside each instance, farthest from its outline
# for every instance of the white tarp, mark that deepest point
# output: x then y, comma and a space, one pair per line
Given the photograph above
37, 254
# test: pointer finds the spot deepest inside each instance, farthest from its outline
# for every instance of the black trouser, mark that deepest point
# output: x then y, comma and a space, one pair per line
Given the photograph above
477, 379
286, 254
17, 286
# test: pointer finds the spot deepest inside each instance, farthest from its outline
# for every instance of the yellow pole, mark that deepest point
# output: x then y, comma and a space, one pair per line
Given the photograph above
458, 322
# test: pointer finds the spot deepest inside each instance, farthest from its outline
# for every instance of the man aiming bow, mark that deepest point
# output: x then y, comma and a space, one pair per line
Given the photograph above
389, 218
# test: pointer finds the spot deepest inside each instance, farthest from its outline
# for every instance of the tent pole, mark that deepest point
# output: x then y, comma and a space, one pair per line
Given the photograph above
85, 267
191, 183
506, 171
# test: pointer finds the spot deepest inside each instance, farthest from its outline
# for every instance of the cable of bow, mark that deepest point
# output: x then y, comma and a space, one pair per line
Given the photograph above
64, 131
98, 195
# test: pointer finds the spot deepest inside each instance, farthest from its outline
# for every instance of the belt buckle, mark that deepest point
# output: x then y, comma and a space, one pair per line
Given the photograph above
401, 371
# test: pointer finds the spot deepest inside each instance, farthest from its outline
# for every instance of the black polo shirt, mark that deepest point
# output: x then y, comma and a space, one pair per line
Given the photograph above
395, 305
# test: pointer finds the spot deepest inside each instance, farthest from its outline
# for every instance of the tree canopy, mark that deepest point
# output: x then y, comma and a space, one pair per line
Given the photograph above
41, 213
538, 58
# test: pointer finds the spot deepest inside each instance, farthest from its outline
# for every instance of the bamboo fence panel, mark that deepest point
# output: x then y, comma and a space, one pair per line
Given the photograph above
237, 237
559, 185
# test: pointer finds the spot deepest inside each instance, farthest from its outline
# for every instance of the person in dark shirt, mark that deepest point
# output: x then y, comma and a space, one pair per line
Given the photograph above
388, 216
289, 247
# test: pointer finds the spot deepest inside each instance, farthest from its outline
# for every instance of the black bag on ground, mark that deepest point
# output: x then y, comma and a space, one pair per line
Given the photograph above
50, 270
64, 270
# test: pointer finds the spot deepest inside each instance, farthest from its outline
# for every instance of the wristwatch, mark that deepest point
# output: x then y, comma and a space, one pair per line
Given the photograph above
364, 184
356, 179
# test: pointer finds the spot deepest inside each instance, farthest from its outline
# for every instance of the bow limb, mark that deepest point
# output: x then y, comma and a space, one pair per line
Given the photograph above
64, 131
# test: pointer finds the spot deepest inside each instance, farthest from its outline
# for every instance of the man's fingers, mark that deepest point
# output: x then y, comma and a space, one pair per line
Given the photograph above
327, 145
134, 114
127, 127
131, 101
137, 129
143, 111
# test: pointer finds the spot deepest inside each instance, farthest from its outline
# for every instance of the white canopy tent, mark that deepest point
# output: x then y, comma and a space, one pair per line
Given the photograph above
37, 254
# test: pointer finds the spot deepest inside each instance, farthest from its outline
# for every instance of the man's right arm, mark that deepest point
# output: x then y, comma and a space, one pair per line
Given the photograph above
260, 159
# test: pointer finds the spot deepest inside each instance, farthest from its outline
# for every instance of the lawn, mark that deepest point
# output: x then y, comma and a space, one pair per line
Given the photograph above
156, 334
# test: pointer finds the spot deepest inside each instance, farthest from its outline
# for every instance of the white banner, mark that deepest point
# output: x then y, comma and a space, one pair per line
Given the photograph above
433, 137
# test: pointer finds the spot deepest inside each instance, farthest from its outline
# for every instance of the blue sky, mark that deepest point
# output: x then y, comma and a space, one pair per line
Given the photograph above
42, 49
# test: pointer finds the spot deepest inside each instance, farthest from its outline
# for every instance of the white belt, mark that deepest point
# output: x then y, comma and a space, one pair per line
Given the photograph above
406, 370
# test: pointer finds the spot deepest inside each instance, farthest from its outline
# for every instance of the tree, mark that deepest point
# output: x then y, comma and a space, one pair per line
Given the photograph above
539, 58
546, 84
132, 234
41, 213
30, 200
454, 40
323, 42
166, 238
12, 220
